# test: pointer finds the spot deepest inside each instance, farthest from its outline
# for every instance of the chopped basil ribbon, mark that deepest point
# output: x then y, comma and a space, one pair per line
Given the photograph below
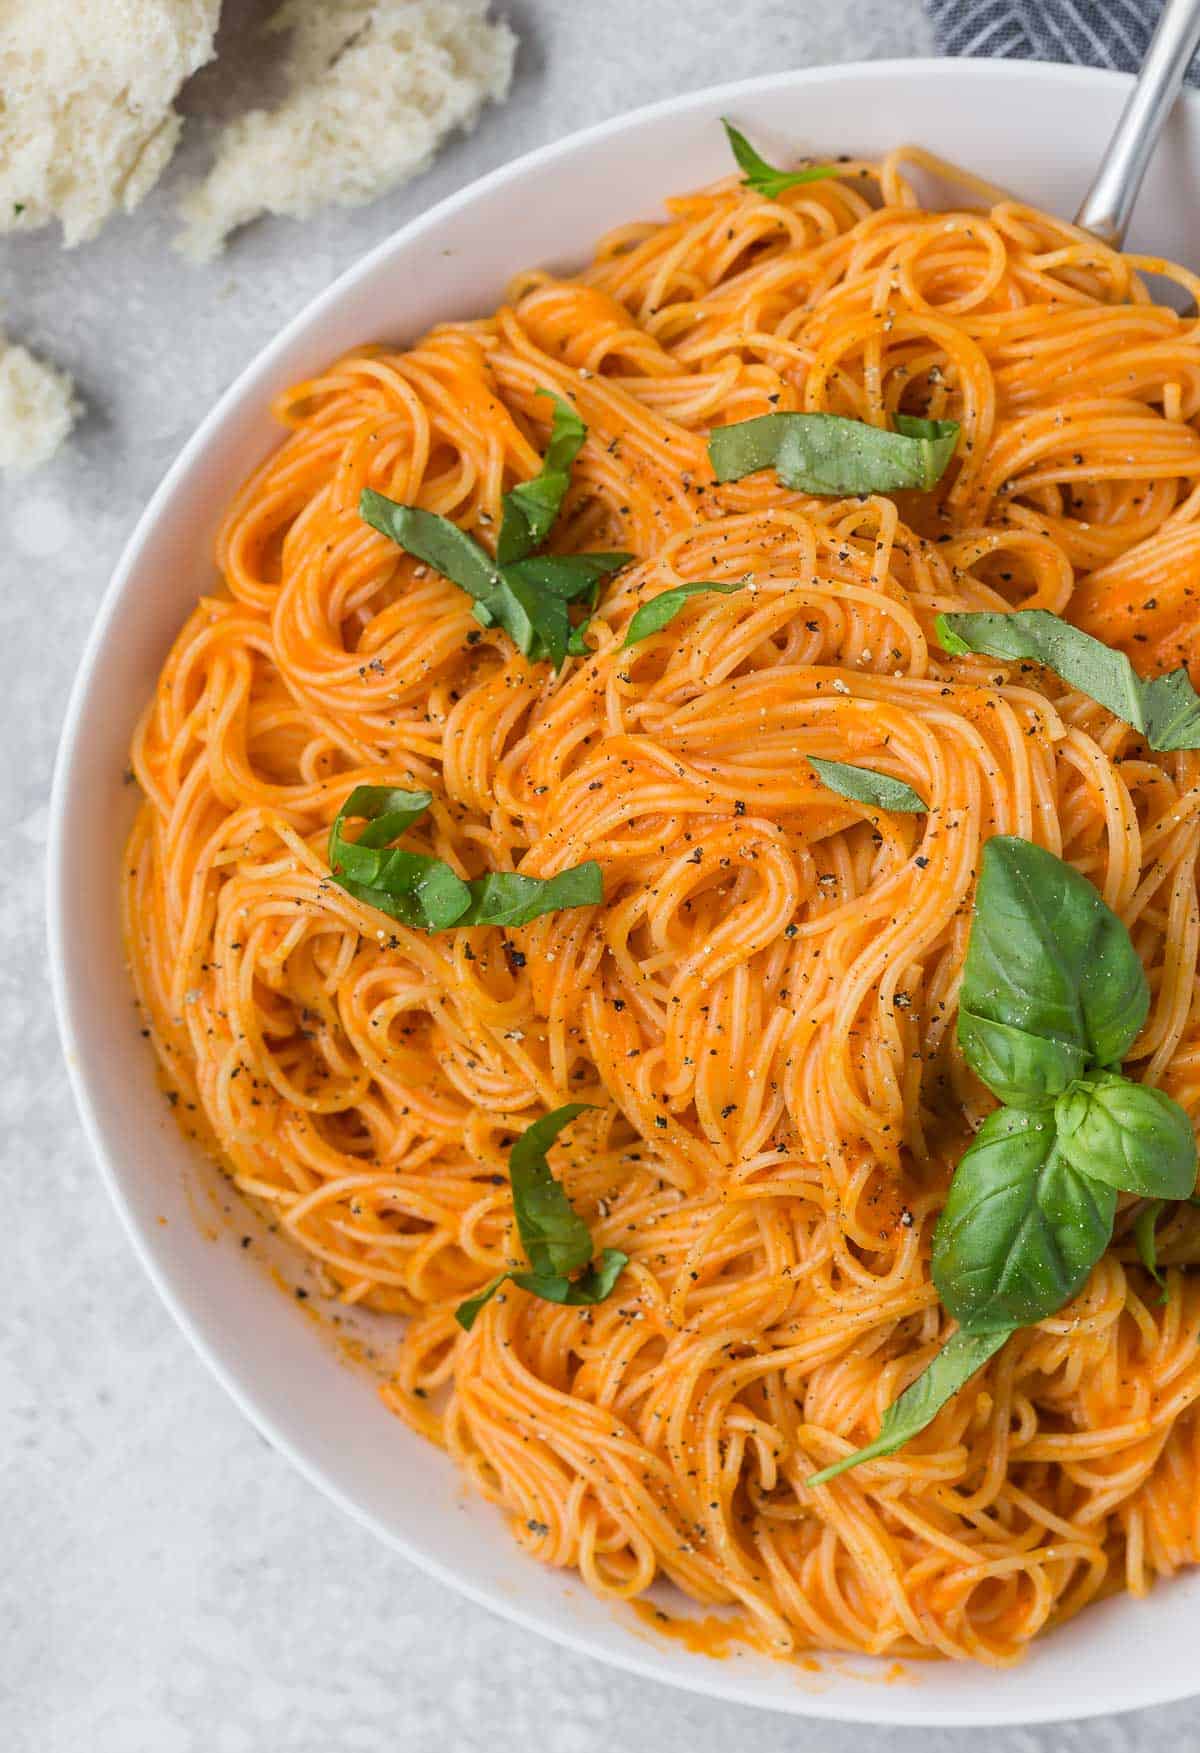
1053, 995
1165, 709
864, 785
830, 455
762, 177
525, 593
505, 897
425, 892
660, 611
556, 1240
529, 511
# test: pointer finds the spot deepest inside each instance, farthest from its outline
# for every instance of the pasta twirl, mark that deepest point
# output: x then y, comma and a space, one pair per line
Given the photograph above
762, 1009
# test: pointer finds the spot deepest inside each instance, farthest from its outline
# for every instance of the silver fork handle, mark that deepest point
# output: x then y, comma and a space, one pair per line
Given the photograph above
1109, 202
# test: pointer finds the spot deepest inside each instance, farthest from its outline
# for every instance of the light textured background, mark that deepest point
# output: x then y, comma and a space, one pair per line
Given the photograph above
167, 1583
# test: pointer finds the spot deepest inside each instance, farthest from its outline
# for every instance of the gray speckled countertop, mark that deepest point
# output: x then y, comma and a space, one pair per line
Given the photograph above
167, 1583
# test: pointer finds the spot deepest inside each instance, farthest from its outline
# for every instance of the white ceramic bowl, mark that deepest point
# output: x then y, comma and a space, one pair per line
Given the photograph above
1036, 129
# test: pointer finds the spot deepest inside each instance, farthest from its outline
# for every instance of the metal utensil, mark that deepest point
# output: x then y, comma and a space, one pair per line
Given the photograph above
1106, 207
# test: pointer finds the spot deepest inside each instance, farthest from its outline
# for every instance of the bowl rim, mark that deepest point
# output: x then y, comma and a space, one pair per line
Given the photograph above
705, 1679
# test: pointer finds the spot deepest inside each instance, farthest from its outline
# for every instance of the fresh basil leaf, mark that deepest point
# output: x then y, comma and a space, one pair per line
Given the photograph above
529, 511
506, 898
590, 1287
602, 567
387, 812
412, 887
1051, 979
864, 785
554, 1236
1129, 1135
652, 616
538, 625
1165, 709
1021, 1227
828, 454
567, 577
526, 595
467, 1312
958, 1360
421, 891
530, 599
1017, 1066
425, 892
942, 434
1146, 1241
762, 177
434, 540
1172, 712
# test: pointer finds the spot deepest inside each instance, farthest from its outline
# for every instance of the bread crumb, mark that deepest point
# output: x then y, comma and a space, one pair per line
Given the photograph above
86, 123
374, 86
38, 408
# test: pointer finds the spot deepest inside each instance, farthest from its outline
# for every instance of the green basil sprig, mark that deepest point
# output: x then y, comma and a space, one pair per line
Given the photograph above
556, 1240
425, 892
764, 178
1053, 995
1165, 709
950, 1370
829, 455
1051, 980
1126, 1134
1021, 1227
525, 593
660, 611
864, 785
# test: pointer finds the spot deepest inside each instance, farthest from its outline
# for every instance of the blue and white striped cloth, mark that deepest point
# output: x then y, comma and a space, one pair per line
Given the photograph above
1102, 33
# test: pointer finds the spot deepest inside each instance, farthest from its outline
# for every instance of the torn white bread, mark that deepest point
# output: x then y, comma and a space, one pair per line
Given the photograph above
86, 87
38, 407
373, 89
